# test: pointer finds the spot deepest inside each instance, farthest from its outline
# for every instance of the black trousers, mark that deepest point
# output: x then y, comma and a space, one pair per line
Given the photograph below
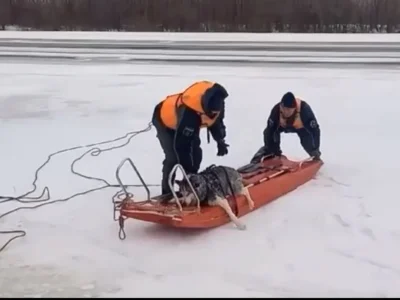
172, 157
306, 140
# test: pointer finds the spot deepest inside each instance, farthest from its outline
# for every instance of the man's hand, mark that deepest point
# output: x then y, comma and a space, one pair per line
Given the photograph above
222, 148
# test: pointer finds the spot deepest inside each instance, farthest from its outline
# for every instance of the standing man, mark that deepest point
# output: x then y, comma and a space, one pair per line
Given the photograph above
178, 120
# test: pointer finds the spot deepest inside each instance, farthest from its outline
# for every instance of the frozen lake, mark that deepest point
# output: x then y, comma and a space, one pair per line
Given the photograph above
338, 235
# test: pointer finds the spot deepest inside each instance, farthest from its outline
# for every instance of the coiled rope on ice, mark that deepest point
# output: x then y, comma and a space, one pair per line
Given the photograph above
45, 197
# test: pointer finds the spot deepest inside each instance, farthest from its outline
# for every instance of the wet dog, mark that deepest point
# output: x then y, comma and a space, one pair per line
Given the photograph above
212, 186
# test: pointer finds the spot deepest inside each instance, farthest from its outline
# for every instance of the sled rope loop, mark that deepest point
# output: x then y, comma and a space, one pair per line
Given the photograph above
45, 197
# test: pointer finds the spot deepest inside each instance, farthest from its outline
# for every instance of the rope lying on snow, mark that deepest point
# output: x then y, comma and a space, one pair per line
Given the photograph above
26, 198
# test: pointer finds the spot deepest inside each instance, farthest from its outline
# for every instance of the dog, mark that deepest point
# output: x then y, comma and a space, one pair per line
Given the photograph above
212, 185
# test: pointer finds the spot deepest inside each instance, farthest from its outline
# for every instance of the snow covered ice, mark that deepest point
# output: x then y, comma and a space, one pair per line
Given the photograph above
337, 235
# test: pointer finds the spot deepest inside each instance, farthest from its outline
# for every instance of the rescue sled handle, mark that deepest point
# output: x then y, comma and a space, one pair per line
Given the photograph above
266, 157
137, 173
171, 186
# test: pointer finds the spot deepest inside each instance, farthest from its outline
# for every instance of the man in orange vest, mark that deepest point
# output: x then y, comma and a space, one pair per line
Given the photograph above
291, 115
178, 120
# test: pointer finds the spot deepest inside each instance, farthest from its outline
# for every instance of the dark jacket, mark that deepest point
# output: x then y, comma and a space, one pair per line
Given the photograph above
311, 129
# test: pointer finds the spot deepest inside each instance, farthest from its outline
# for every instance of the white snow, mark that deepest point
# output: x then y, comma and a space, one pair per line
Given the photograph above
201, 36
338, 235
204, 47
255, 56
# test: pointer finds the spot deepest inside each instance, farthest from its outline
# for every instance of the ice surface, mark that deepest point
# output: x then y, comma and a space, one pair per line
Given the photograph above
338, 235
204, 47
205, 56
200, 36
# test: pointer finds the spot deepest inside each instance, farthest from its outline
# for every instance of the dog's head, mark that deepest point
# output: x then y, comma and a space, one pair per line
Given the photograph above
199, 185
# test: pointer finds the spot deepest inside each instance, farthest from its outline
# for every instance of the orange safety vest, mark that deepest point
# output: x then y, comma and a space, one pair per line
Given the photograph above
192, 98
297, 123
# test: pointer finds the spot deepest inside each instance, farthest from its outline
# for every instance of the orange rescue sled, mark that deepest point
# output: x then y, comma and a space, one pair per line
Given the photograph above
266, 182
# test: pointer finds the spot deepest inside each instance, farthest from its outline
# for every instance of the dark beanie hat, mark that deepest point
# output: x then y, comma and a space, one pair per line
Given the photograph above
288, 100
215, 104
216, 96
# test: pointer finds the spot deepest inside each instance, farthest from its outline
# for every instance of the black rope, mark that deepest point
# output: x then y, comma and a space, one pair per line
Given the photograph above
26, 198
121, 232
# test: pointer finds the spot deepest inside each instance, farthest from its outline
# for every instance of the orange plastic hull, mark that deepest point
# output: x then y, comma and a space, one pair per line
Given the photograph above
284, 177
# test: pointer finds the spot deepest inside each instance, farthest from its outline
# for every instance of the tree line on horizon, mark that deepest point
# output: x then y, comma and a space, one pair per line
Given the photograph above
319, 16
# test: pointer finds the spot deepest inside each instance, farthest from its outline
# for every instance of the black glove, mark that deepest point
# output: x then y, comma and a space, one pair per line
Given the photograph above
277, 152
259, 154
263, 151
222, 148
316, 154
